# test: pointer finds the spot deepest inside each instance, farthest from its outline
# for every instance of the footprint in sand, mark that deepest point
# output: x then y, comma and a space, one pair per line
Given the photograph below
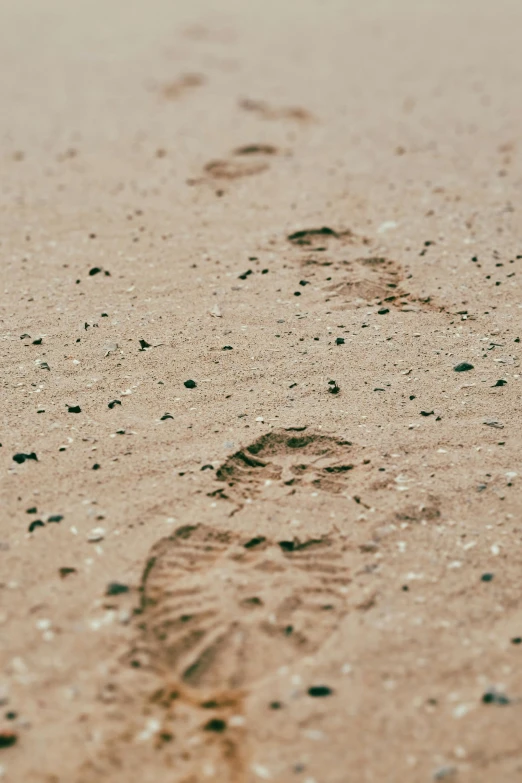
357, 281
219, 615
220, 612
292, 459
172, 90
267, 112
244, 161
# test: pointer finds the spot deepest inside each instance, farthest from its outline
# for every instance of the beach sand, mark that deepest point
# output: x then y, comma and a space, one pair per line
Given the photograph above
305, 564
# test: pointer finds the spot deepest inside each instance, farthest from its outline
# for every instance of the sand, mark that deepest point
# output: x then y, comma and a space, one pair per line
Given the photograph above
305, 565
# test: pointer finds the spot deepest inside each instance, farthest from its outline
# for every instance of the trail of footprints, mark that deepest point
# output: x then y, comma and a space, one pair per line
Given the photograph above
221, 613
212, 604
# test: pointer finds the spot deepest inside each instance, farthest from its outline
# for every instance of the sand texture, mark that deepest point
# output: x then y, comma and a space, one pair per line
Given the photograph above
261, 391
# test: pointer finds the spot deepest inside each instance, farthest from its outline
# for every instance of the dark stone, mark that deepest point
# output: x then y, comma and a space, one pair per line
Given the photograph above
74, 409
116, 588
463, 367
55, 518
166, 416
318, 691
254, 542
216, 724
20, 458
493, 697
339, 340
35, 524
383, 311
189, 384
487, 577
112, 403
7, 738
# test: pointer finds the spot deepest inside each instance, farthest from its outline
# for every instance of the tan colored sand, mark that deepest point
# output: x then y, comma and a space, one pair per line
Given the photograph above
274, 536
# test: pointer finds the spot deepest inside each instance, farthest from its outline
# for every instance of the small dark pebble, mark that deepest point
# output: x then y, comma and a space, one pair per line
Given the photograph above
55, 518
383, 311
463, 367
245, 274
25, 336
516, 640
500, 382
377, 388
275, 705
74, 409
207, 467
287, 546
254, 542
304, 282
116, 588
35, 524
318, 691
94, 271
487, 577
66, 571
20, 458
189, 384
166, 416
7, 738
216, 724
227, 348
427, 413
112, 403
339, 340
11, 715
412, 397
333, 388
38, 341
493, 697
95, 466
144, 344
32, 510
